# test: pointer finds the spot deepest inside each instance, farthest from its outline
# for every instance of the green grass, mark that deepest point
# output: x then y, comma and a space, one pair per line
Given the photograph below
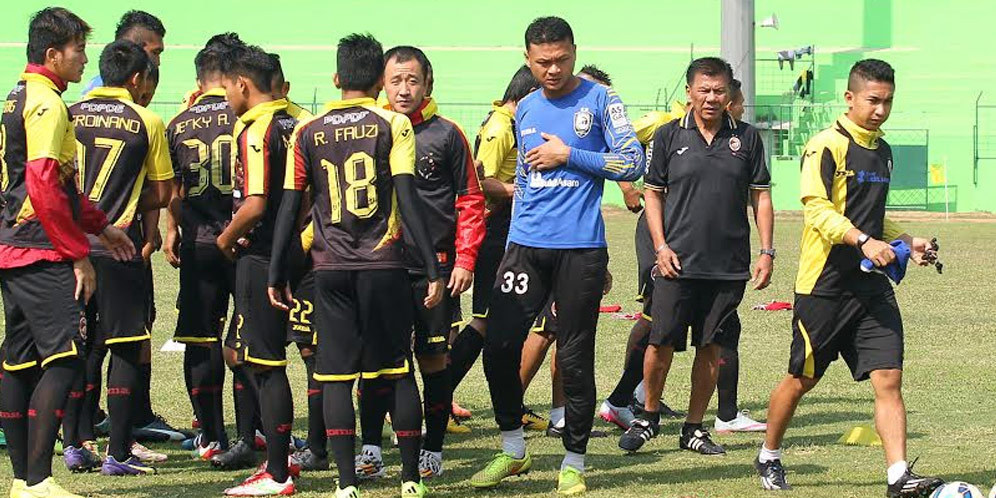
949, 335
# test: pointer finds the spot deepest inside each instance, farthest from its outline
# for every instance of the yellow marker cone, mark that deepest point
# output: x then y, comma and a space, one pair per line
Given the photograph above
861, 435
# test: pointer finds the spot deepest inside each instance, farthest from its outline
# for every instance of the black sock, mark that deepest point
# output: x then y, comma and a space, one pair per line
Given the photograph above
632, 374
688, 428
437, 407
198, 368
340, 423
464, 352
726, 384
143, 402
71, 417
91, 393
316, 421
277, 415
654, 417
217, 378
246, 403
15, 395
45, 415
406, 416
122, 398
376, 396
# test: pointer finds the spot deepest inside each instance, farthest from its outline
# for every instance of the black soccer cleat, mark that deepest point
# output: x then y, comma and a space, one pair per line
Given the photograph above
699, 441
639, 432
772, 475
913, 485
239, 456
308, 461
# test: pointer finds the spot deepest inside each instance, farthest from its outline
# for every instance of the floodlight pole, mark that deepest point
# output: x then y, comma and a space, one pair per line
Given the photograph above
737, 46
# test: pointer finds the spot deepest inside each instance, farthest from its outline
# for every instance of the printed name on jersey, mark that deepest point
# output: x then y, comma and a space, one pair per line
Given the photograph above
735, 144
528, 131
201, 122
583, 120
536, 180
617, 116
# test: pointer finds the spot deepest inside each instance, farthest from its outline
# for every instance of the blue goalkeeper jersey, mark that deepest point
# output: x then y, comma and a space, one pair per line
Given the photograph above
561, 208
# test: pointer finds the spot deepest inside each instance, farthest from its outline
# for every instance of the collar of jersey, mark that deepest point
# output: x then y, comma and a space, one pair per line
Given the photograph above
262, 109
425, 111
109, 92
688, 121
343, 104
500, 108
214, 92
41, 74
865, 138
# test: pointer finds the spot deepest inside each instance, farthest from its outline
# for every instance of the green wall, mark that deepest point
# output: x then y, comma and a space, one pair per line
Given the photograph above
940, 52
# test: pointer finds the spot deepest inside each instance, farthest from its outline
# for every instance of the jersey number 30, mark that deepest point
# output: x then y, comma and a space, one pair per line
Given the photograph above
360, 192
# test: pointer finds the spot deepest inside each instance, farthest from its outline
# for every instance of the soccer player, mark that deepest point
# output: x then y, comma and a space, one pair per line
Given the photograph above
840, 309
573, 134
121, 146
201, 147
447, 186
142, 28
702, 243
45, 274
261, 134
359, 162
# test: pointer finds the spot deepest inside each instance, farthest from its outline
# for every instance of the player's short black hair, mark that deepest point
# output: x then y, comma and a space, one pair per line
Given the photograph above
224, 41
522, 83
597, 74
709, 66
548, 29
277, 83
53, 27
359, 62
252, 63
120, 60
209, 59
139, 19
405, 53
870, 70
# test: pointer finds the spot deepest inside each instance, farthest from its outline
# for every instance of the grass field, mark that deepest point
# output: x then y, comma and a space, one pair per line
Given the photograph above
950, 374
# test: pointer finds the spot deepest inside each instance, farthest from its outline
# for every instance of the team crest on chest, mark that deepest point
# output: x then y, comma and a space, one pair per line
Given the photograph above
735, 144
583, 119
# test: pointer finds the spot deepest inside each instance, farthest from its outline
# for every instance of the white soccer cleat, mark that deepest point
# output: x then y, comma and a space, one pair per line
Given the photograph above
429, 465
262, 484
620, 416
742, 423
369, 466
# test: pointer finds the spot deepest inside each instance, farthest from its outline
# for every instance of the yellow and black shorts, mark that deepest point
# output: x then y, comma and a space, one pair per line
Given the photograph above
300, 323
260, 329
121, 301
207, 279
432, 326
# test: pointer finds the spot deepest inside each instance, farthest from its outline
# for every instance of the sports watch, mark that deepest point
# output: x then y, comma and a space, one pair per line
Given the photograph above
769, 252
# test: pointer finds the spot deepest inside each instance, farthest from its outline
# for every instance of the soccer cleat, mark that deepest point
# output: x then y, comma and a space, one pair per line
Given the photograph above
297, 444
571, 482
130, 467
191, 444
45, 489
412, 489
621, 417
429, 464
741, 423
501, 466
239, 456
369, 466
159, 430
262, 484
454, 426
349, 492
146, 455
772, 475
639, 432
308, 461
293, 469
533, 422
260, 442
459, 411
80, 459
912, 485
699, 441
208, 452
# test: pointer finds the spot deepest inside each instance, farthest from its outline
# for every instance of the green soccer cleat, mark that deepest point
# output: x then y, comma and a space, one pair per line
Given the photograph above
412, 489
571, 482
500, 467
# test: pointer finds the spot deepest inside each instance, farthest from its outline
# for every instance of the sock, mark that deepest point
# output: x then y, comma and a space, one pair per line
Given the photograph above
463, 354
640, 394
557, 416
144, 415
513, 443
277, 415
316, 421
15, 395
217, 380
406, 415
896, 471
48, 400
340, 427
726, 384
654, 417
688, 428
246, 403
767, 455
633, 368
91, 393
122, 397
438, 404
197, 366
573, 460
71, 417
376, 397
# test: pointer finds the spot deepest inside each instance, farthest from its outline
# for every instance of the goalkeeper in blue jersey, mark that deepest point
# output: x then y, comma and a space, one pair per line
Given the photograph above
572, 136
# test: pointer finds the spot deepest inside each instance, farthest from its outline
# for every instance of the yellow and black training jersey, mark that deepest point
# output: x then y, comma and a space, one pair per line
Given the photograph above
119, 144
201, 147
262, 136
495, 145
646, 125
295, 111
348, 156
846, 172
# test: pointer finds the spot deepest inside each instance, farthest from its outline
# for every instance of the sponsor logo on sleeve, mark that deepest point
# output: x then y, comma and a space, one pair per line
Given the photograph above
617, 116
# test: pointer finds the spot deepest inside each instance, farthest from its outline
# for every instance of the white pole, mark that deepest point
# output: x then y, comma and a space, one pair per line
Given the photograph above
947, 213
737, 46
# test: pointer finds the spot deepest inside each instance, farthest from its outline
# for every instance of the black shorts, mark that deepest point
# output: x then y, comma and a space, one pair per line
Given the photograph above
44, 321
546, 322
299, 324
121, 301
365, 323
702, 306
867, 331
207, 279
261, 329
432, 326
489, 257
